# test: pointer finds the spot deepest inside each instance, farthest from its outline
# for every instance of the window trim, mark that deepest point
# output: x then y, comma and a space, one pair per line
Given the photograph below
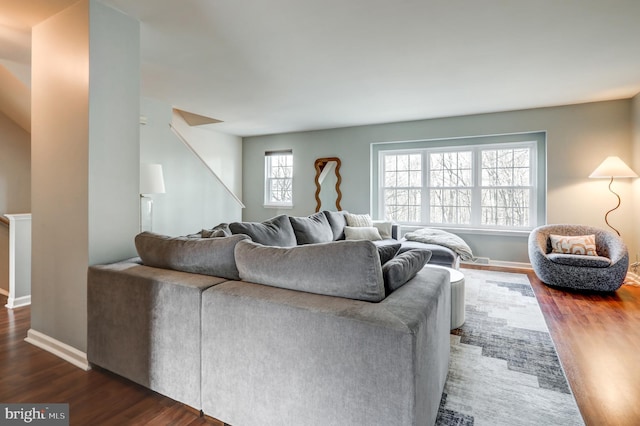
447, 144
267, 180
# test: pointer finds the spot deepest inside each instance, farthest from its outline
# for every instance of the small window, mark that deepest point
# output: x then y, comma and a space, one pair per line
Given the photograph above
278, 166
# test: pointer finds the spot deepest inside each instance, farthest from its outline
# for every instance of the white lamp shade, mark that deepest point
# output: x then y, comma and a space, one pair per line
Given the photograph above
613, 167
151, 179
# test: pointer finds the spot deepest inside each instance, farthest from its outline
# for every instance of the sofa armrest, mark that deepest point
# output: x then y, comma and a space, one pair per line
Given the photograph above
144, 324
395, 231
277, 356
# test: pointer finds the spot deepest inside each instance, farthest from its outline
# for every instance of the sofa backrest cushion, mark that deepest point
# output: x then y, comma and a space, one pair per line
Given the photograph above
349, 269
337, 221
402, 268
312, 229
276, 231
207, 256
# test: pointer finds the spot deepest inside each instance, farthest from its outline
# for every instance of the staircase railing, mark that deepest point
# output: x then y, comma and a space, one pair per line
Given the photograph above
19, 259
204, 163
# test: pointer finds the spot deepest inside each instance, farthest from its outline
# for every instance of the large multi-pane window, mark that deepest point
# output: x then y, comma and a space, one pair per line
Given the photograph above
481, 186
278, 166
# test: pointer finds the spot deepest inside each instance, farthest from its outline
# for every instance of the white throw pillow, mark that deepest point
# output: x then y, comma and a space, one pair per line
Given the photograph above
363, 220
362, 233
574, 244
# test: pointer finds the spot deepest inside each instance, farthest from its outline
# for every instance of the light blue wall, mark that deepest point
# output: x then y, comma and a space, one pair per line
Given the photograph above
84, 151
194, 199
579, 137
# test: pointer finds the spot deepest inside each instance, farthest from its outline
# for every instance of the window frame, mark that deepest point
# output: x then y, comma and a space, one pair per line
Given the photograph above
534, 140
268, 179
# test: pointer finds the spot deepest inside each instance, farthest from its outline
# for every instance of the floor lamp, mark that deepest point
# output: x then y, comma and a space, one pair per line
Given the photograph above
151, 182
613, 167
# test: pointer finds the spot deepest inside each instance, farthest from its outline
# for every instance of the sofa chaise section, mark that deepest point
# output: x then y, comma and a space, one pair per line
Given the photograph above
144, 324
274, 356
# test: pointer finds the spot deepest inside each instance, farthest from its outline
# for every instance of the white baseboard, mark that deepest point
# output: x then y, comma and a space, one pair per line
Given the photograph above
59, 349
18, 302
632, 279
500, 263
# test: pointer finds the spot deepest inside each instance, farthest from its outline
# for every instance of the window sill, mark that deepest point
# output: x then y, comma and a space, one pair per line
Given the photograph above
519, 233
278, 206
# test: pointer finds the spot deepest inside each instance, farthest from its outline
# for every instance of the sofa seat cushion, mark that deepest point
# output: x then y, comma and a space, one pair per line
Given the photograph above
276, 231
312, 229
207, 256
349, 269
580, 260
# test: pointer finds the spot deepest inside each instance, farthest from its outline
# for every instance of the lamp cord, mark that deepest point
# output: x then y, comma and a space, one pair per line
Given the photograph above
618, 205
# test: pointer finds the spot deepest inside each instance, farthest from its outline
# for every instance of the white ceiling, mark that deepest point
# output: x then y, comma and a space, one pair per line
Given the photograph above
272, 66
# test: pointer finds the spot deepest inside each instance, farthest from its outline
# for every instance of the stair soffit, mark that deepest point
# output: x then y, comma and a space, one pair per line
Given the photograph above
196, 119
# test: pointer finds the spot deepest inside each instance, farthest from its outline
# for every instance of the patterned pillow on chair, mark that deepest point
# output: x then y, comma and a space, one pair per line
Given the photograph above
574, 244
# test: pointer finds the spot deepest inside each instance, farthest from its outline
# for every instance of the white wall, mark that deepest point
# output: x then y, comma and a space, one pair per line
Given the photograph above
194, 199
85, 94
15, 183
221, 152
579, 137
15, 167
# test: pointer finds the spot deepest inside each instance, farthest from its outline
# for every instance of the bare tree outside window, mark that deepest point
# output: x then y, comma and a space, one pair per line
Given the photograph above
279, 179
450, 182
506, 180
486, 186
403, 187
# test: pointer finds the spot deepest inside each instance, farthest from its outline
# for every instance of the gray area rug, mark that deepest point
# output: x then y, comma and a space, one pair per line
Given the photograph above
504, 369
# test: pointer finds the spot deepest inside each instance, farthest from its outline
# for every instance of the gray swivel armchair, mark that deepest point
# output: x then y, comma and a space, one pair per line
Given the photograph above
604, 272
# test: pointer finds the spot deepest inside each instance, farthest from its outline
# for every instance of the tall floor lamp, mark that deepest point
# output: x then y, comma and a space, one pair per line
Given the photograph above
613, 167
151, 182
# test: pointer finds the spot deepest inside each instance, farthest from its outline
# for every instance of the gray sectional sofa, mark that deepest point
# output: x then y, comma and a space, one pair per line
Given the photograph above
320, 333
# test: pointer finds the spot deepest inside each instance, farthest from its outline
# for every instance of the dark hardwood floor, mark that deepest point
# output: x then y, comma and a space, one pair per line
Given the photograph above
96, 397
597, 338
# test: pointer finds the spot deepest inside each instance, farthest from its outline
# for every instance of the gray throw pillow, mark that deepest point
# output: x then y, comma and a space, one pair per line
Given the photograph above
276, 231
312, 229
403, 268
349, 269
337, 221
387, 252
221, 230
207, 256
